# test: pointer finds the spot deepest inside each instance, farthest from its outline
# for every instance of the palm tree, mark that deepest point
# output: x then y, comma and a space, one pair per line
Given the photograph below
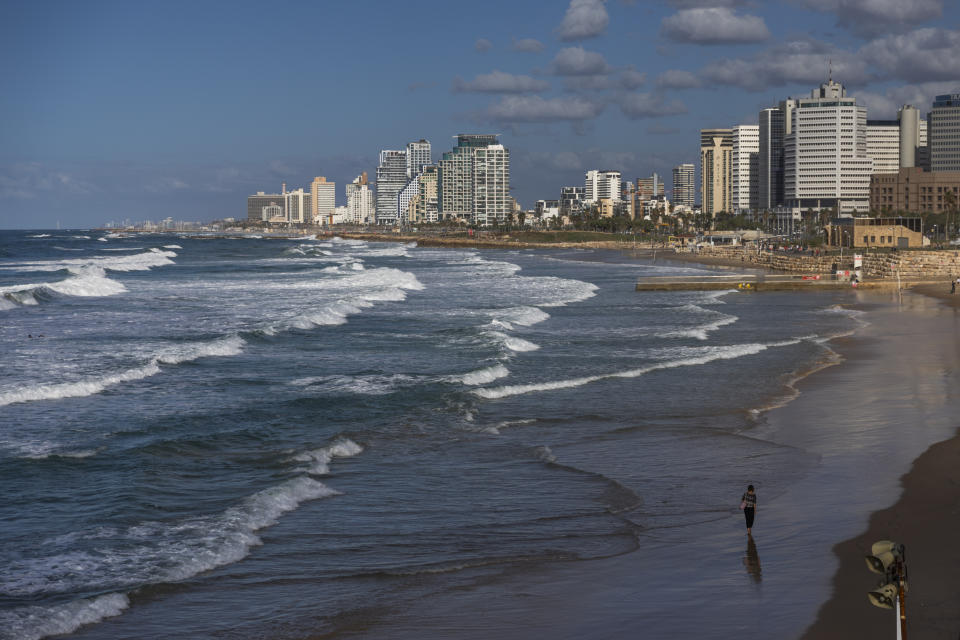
950, 203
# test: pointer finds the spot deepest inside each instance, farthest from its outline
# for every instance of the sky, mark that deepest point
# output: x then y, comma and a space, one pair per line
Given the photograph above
143, 110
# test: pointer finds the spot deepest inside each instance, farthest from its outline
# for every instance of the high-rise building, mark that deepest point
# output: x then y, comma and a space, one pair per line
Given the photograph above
418, 156
258, 204
474, 180
601, 185
825, 159
424, 207
323, 199
745, 166
716, 171
298, 206
360, 201
897, 143
391, 179
944, 133
775, 124
684, 188
651, 187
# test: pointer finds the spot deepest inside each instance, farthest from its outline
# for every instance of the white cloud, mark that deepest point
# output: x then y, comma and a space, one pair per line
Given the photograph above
878, 16
584, 19
482, 45
576, 61
921, 55
527, 45
500, 82
632, 79
792, 62
649, 105
677, 79
714, 25
513, 109
26, 180
885, 105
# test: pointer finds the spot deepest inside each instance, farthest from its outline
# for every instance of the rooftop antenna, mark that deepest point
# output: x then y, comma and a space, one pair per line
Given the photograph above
830, 72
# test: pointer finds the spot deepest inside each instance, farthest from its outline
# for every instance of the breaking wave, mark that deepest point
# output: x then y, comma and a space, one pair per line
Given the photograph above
711, 354
319, 459
90, 386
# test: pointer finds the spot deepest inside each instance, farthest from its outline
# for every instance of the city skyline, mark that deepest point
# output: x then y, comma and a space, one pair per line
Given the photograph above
152, 111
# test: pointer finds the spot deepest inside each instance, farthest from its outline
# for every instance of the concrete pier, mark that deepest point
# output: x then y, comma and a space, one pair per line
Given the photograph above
751, 282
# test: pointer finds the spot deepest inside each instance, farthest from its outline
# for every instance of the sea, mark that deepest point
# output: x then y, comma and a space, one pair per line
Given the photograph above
256, 437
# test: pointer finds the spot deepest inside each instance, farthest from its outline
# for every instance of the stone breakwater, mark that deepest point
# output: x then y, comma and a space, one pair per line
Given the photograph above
912, 266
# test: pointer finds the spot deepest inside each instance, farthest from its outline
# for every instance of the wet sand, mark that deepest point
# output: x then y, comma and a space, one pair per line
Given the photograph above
926, 519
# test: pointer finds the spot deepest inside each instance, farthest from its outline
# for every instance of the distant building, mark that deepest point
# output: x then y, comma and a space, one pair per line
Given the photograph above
323, 200
299, 206
716, 171
944, 133
418, 156
825, 153
775, 124
913, 190
425, 206
684, 188
651, 187
603, 184
360, 201
391, 179
474, 180
571, 200
897, 143
256, 204
745, 167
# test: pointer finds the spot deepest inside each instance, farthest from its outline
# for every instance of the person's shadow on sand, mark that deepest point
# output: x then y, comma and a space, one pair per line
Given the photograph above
752, 560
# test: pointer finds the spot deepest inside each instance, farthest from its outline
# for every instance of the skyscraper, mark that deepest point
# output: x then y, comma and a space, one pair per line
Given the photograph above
825, 161
601, 185
360, 201
944, 133
323, 200
391, 179
418, 156
684, 190
745, 165
648, 188
716, 175
474, 180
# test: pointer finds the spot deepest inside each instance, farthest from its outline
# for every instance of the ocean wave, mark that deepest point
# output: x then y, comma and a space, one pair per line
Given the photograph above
483, 376
702, 331
523, 315
135, 262
40, 235
172, 246
158, 552
34, 622
90, 386
711, 354
367, 385
67, 249
512, 342
320, 459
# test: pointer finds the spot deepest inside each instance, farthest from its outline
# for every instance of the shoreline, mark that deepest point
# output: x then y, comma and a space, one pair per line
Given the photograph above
925, 518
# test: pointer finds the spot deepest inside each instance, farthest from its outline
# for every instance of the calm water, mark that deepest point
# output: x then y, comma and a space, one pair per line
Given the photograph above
276, 438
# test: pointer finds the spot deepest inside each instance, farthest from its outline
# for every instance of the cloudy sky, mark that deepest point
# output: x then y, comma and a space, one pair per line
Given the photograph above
141, 110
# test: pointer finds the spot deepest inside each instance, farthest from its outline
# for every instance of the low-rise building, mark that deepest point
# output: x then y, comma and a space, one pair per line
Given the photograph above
883, 233
913, 190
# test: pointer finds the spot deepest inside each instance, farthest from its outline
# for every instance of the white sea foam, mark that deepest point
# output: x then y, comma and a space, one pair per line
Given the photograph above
172, 246
123, 249
525, 316
701, 332
40, 235
483, 376
90, 386
369, 385
135, 262
66, 249
33, 623
102, 239
512, 342
87, 281
709, 354
320, 459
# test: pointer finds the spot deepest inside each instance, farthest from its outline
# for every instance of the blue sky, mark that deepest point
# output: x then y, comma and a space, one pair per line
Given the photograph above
141, 110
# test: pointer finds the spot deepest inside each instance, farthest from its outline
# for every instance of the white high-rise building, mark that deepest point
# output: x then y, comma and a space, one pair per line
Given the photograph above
360, 201
896, 143
408, 193
323, 199
418, 156
825, 154
745, 167
298, 206
601, 185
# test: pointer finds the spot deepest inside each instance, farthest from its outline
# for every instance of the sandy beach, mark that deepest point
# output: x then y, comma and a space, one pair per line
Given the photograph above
925, 519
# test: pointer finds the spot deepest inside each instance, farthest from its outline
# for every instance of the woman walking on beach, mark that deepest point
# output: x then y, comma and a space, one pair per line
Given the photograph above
748, 502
